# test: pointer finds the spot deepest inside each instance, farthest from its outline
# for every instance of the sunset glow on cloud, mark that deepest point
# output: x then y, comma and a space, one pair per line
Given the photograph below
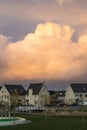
43, 39
48, 53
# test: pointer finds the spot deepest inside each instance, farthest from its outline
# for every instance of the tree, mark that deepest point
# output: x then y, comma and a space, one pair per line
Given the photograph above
14, 101
53, 98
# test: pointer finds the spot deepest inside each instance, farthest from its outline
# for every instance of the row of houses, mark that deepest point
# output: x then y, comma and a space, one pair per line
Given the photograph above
75, 94
37, 94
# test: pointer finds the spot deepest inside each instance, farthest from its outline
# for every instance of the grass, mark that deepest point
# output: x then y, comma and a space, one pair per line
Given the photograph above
42, 122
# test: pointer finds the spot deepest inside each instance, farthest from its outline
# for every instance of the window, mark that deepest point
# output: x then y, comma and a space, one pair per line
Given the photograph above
77, 95
80, 95
85, 95
11, 90
7, 97
35, 96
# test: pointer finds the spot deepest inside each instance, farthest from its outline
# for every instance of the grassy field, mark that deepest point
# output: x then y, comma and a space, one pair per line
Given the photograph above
42, 122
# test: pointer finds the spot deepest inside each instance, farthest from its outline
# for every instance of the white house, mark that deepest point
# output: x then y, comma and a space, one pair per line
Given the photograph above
8, 90
17, 90
76, 93
4, 95
37, 94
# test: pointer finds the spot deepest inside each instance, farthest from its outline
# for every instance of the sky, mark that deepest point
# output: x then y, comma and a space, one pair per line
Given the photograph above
43, 40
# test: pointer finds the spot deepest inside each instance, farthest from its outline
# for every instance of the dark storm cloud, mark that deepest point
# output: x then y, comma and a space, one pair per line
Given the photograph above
19, 17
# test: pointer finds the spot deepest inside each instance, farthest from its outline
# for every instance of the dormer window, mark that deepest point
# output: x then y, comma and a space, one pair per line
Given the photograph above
85, 95
11, 90
21, 90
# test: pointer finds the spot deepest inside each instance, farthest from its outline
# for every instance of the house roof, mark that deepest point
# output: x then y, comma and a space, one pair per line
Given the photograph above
58, 93
52, 92
0, 87
79, 87
61, 93
12, 87
36, 87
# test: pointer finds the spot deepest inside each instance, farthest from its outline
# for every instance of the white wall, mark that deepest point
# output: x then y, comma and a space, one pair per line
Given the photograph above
40, 99
4, 95
69, 96
44, 96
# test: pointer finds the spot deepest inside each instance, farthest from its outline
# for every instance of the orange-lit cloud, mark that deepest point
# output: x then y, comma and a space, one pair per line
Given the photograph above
47, 53
64, 1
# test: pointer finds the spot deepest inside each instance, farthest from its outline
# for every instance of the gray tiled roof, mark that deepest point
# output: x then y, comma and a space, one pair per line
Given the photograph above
52, 92
58, 93
61, 93
12, 87
0, 87
79, 87
36, 87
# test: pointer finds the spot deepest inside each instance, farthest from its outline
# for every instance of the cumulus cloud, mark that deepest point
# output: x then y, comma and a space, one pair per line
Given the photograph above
4, 41
48, 53
60, 2
19, 17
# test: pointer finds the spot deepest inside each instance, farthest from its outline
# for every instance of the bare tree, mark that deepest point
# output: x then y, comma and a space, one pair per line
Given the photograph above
14, 101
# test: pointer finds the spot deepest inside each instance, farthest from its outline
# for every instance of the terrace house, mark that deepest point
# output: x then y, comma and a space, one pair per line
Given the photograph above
9, 91
76, 93
37, 94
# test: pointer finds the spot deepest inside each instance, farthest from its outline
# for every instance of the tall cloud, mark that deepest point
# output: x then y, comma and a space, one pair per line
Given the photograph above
18, 17
47, 53
60, 2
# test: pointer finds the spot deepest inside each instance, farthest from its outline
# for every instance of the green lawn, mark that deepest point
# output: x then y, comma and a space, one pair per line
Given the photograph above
50, 123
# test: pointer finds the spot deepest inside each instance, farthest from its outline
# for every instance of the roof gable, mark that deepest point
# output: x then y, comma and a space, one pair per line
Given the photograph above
79, 87
12, 87
36, 87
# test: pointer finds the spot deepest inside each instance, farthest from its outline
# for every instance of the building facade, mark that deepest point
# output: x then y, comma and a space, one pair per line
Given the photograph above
12, 93
76, 93
4, 95
37, 94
